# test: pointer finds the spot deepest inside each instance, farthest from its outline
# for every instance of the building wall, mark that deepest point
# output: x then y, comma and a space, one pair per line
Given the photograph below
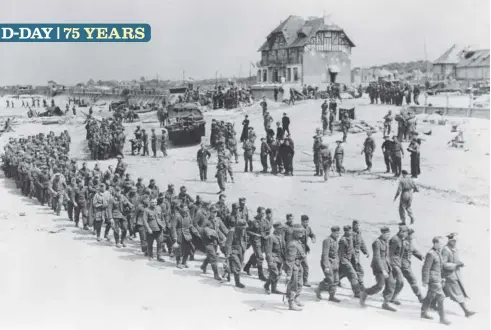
442, 71
473, 73
316, 67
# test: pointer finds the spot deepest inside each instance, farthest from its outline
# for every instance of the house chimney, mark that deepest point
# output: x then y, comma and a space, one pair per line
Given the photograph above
327, 19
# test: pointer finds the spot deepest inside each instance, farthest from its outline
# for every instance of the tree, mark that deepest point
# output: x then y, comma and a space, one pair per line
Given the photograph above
142, 79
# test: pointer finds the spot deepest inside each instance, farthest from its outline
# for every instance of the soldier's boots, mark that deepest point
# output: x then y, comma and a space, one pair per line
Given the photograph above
293, 307
266, 287
247, 268
388, 307
363, 298
420, 298
203, 268
216, 276
274, 289
395, 302
333, 298
261, 273
425, 315
467, 312
318, 294
237, 281
441, 312
297, 302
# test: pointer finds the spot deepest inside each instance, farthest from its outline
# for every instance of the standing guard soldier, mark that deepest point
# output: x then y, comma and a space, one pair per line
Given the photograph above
382, 271
295, 254
345, 125
221, 176
274, 249
368, 149
164, 142
317, 158
397, 153
308, 234
329, 266
235, 247
265, 150
339, 157
415, 153
388, 122
396, 251
153, 140
386, 150
202, 157
249, 149
432, 278
326, 159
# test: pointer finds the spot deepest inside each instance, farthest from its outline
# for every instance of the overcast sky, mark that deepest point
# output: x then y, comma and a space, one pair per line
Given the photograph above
203, 36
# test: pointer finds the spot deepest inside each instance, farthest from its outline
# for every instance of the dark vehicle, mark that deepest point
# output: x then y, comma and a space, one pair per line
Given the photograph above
443, 88
186, 124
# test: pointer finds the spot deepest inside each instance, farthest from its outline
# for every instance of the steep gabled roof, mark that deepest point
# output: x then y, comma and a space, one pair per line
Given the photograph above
475, 58
297, 31
451, 56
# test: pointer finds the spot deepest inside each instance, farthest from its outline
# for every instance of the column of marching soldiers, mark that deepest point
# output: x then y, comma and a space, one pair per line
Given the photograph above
180, 225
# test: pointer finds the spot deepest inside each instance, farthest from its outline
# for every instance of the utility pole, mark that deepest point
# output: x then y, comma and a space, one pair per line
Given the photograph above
183, 72
426, 62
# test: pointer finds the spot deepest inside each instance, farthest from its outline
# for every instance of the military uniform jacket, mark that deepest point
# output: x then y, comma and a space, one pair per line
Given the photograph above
326, 156
154, 191
358, 244
181, 228
236, 241
260, 226
339, 152
432, 268
152, 219
202, 156
295, 254
265, 149
308, 233
99, 206
275, 249
450, 259
380, 259
396, 250
249, 148
330, 254
369, 145
407, 252
219, 227
288, 233
117, 205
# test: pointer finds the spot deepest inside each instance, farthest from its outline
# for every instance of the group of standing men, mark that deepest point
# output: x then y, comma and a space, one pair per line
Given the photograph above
390, 93
141, 140
105, 138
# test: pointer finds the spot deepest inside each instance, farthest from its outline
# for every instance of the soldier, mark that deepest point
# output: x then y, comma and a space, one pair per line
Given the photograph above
181, 232
285, 123
397, 153
388, 122
295, 254
169, 194
153, 224
345, 125
221, 176
286, 153
308, 234
235, 247
386, 150
288, 228
317, 157
164, 142
213, 239
407, 252
368, 149
249, 149
325, 159
264, 105
432, 278
99, 207
332, 117
265, 150
382, 271
259, 229
117, 207
405, 190
202, 157
454, 287
231, 143
358, 246
121, 167
414, 150
339, 157
70, 193
274, 249
346, 258
153, 140
329, 266
57, 190
153, 189
144, 139
396, 251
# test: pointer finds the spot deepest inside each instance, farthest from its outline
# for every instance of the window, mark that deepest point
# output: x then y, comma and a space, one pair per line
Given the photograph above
295, 74
265, 75
289, 74
258, 76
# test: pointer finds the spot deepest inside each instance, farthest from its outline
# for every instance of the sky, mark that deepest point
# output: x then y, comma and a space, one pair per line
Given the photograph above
202, 38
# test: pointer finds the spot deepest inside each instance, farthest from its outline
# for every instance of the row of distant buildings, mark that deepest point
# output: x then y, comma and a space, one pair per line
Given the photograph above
315, 51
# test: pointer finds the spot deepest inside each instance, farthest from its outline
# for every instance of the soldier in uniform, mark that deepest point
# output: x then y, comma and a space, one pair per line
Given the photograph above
249, 149
368, 149
121, 167
339, 157
235, 247
386, 150
397, 153
414, 150
99, 207
317, 158
329, 266
345, 125
326, 159
454, 287
144, 139
405, 190
432, 278
164, 141
202, 157
274, 249
295, 254
153, 140
382, 271
407, 252
308, 234
117, 207
57, 190
181, 232
259, 229
388, 122
346, 257
221, 176
265, 150
153, 224
396, 251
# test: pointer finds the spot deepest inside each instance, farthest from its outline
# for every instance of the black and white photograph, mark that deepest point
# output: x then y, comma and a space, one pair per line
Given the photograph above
244, 165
